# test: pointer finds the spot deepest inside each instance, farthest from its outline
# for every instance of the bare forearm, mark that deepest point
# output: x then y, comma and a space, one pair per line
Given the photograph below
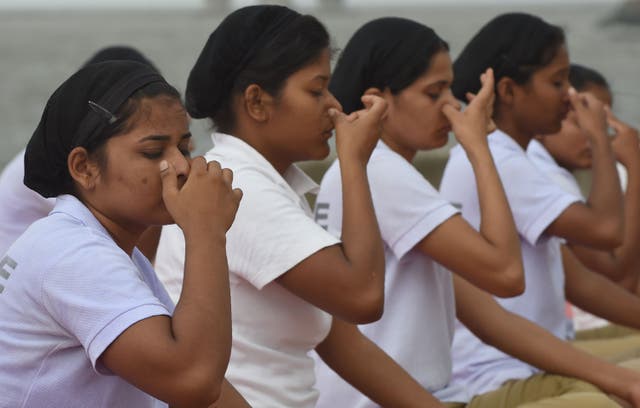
201, 323
361, 239
598, 295
496, 220
370, 370
605, 197
529, 342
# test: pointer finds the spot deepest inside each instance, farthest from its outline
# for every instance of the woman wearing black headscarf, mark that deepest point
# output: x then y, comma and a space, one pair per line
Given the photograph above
21, 206
408, 65
263, 79
531, 64
85, 321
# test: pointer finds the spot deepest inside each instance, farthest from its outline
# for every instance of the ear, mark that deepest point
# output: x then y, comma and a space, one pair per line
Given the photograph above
82, 169
257, 102
505, 90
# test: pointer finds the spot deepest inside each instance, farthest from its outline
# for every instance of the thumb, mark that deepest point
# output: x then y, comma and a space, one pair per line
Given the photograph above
336, 116
169, 179
450, 112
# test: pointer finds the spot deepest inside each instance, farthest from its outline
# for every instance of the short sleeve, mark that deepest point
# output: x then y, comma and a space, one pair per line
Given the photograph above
535, 200
408, 207
272, 232
96, 293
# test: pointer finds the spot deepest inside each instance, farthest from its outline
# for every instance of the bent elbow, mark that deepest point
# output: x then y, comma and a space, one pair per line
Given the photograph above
197, 390
368, 308
612, 235
512, 282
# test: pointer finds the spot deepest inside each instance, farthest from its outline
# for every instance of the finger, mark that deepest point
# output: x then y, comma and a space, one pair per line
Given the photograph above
227, 176
368, 100
336, 116
612, 120
214, 166
353, 116
576, 101
378, 107
198, 165
169, 179
237, 193
486, 92
470, 96
450, 112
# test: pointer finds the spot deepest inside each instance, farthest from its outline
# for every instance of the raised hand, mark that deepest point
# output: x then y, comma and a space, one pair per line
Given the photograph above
206, 201
590, 113
358, 133
472, 125
625, 144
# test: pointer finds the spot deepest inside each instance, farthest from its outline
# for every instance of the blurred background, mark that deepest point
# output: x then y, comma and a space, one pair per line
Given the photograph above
43, 41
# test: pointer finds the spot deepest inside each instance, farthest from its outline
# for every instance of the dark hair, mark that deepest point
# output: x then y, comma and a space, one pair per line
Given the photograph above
386, 53
261, 45
580, 77
515, 45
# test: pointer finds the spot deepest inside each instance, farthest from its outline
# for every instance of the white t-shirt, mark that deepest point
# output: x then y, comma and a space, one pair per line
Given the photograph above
535, 202
544, 161
273, 329
19, 205
416, 329
67, 292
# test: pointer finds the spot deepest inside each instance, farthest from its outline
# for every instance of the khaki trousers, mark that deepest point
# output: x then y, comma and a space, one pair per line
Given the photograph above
541, 391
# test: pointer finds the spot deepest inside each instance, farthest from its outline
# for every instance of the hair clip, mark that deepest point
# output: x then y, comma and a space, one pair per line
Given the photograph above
110, 117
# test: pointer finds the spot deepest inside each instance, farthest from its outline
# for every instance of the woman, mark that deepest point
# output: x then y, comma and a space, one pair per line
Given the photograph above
422, 231
561, 153
85, 320
20, 206
531, 62
262, 79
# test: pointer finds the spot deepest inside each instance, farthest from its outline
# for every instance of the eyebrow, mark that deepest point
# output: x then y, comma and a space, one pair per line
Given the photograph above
321, 77
162, 138
442, 82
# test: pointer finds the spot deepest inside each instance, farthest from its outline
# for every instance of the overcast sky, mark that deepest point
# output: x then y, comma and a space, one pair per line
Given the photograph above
37, 4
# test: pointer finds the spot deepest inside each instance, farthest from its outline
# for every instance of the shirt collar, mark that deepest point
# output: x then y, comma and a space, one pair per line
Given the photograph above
70, 205
240, 151
538, 151
501, 138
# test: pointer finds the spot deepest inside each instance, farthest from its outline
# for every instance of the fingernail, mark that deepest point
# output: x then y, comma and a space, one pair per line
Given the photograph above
332, 112
572, 91
164, 165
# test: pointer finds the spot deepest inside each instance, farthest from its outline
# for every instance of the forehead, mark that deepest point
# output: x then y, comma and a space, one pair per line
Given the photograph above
440, 69
317, 69
159, 112
600, 92
558, 64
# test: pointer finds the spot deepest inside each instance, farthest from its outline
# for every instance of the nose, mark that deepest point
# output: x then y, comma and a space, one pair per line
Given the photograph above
333, 102
451, 100
181, 163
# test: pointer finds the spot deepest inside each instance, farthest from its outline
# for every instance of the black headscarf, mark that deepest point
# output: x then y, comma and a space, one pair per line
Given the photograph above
117, 53
513, 44
76, 115
233, 44
389, 52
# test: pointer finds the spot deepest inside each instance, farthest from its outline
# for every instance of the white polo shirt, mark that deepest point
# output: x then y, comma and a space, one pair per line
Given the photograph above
535, 202
19, 205
541, 157
67, 292
416, 329
273, 329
